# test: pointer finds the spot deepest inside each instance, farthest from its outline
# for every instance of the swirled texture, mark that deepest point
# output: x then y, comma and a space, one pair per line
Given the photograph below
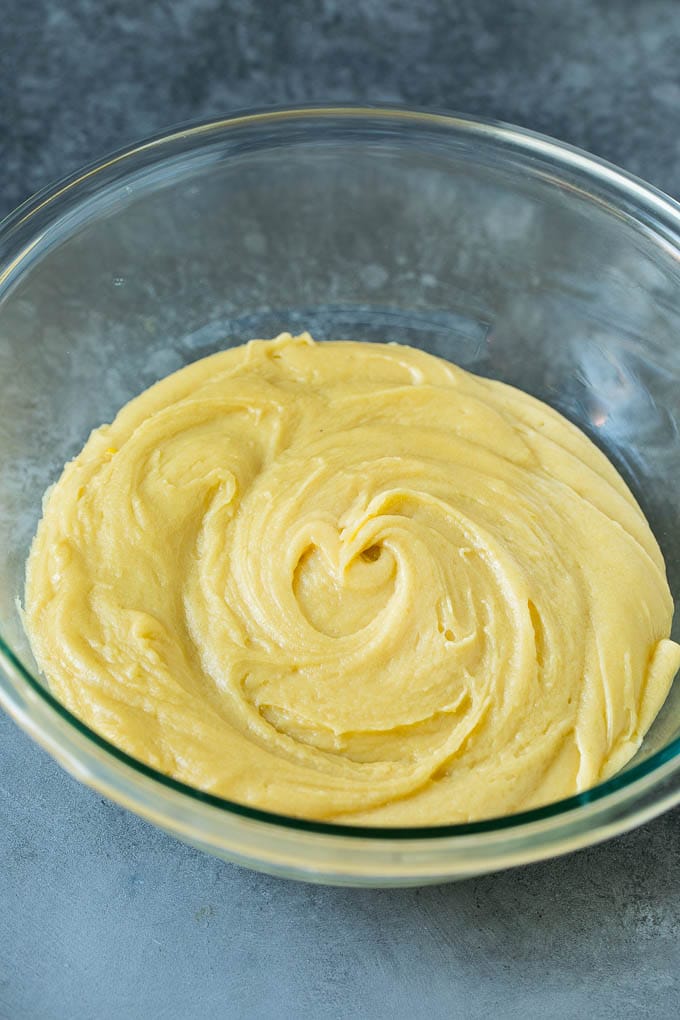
352, 581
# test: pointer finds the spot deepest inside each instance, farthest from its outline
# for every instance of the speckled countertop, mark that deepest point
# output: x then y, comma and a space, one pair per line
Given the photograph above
104, 917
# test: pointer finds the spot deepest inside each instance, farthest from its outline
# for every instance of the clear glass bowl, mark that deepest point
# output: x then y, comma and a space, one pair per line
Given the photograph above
509, 253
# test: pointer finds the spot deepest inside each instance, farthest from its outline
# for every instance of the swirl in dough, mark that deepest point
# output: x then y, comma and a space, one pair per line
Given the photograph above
351, 581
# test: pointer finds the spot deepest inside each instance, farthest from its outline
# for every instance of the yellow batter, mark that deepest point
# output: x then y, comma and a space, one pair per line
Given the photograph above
352, 581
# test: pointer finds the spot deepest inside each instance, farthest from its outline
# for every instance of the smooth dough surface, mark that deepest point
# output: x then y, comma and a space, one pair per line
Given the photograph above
353, 582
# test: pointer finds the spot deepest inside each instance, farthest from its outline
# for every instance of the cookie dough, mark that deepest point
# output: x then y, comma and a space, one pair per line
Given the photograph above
354, 582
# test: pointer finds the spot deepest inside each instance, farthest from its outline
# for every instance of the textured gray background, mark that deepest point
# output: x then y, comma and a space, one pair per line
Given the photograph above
102, 916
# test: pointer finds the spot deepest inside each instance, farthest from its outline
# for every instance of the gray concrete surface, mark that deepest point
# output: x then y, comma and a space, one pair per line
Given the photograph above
102, 916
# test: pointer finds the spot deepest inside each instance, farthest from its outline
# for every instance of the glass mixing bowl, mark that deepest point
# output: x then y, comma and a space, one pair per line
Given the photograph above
506, 252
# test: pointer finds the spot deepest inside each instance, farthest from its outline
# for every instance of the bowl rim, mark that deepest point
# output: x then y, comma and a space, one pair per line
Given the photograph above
637, 781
